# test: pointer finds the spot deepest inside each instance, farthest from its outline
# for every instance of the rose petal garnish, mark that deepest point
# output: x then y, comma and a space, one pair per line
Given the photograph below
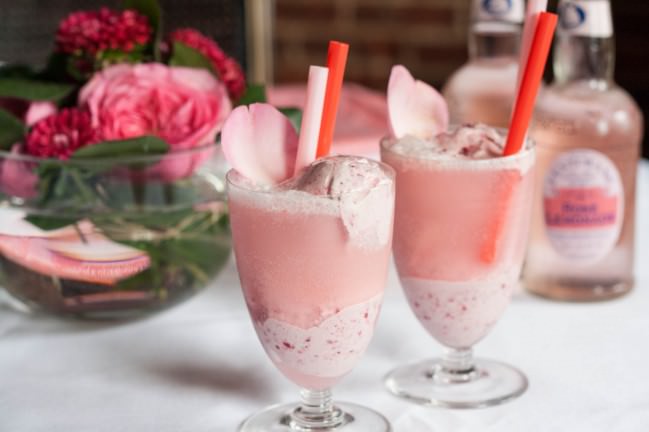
415, 108
260, 142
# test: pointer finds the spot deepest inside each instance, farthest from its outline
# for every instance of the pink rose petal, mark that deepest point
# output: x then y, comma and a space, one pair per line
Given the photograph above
260, 143
38, 111
415, 108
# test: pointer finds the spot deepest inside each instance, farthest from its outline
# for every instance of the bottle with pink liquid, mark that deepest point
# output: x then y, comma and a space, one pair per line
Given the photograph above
482, 91
588, 133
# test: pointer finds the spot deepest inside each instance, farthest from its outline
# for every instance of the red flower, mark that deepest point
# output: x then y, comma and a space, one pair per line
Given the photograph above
91, 32
226, 67
59, 135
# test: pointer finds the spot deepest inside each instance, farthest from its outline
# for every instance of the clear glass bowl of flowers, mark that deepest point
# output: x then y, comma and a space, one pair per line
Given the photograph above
111, 178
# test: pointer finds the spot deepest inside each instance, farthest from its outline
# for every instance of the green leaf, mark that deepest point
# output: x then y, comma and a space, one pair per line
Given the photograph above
50, 223
12, 130
294, 115
142, 146
152, 10
184, 55
16, 71
33, 90
67, 188
192, 242
255, 93
109, 57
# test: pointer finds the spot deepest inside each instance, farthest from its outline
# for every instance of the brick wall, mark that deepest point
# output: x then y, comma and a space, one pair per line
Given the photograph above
428, 36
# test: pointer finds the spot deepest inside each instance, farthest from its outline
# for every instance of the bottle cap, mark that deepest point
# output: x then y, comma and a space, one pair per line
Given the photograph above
510, 11
585, 18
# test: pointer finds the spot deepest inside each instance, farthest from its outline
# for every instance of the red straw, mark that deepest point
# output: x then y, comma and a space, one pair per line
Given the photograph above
531, 82
336, 60
529, 88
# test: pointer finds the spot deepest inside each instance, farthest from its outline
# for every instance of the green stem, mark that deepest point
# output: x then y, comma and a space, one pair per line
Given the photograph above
139, 193
85, 191
169, 193
81, 235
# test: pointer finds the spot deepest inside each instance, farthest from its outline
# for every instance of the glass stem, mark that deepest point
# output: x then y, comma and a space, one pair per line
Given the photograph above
316, 412
456, 366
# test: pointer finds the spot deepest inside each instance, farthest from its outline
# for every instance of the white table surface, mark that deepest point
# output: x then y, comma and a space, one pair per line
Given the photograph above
199, 367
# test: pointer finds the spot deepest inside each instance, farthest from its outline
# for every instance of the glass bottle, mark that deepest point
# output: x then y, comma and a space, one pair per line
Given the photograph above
588, 133
483, 89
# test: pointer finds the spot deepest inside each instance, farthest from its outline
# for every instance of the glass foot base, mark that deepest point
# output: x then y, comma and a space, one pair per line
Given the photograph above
489, 383
355, 418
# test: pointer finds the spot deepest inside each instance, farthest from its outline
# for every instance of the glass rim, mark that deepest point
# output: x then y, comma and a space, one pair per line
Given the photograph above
528, 150
124, 159
270, 189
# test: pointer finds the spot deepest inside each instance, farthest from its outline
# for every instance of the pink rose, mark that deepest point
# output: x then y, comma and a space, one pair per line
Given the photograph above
16, 176
184, 106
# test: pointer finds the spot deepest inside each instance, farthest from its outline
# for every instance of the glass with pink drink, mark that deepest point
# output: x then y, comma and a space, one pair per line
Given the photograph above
312, 254
461, 223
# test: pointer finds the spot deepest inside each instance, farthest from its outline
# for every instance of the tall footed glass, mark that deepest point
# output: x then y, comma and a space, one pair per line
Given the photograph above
461, 228
312, 256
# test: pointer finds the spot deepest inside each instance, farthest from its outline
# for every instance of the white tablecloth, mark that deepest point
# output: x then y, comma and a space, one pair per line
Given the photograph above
199, 367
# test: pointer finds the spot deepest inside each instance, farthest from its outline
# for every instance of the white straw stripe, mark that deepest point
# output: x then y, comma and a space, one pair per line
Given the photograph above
311, 117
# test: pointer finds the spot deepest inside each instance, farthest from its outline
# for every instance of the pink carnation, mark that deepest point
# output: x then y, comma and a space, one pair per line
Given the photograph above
91, 32
226, 67
186, 107
60, 134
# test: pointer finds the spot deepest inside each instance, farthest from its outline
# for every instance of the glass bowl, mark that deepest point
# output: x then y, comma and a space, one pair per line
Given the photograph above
111, 237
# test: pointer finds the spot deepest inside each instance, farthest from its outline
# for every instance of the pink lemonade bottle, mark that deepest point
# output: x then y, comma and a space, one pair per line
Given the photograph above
588, 133
483, 90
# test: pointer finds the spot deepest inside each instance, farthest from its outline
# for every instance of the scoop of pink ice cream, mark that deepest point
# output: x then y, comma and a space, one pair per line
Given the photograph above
339, 175
363, 188
471, 141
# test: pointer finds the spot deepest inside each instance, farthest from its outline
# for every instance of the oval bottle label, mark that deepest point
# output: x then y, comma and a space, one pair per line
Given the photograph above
590, 18
583, 202
499, 10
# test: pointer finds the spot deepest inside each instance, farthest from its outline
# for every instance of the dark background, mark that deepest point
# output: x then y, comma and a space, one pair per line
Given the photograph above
27, 27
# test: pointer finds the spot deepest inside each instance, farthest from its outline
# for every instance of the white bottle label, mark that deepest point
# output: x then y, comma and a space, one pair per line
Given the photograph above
591, 18
583, 202
499, 10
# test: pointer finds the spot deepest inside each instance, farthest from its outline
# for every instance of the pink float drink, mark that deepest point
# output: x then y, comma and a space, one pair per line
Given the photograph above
462, 216
312, 255
461, 221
